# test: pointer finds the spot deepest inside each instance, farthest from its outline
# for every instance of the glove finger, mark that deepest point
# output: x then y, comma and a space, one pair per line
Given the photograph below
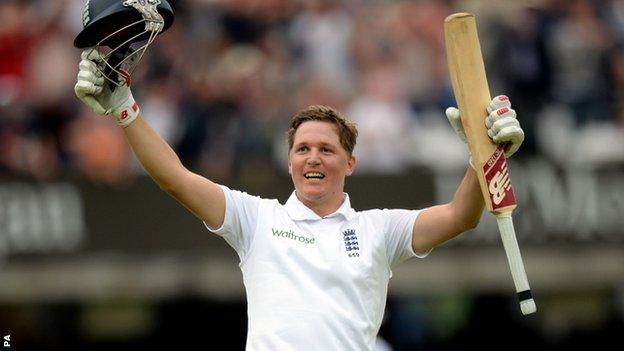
498, 114
502, 112
491, 134
452, 114
89, 100
85, 54
512, 148
83, 87
513, 136
503, 123
512, 133
91, 54
87, 76
499, 102
86, 65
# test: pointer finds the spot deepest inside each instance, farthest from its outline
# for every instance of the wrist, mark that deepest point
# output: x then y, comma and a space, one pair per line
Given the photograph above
127, 112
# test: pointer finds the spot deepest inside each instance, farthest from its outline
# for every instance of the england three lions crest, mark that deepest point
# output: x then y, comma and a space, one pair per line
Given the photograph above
351, 243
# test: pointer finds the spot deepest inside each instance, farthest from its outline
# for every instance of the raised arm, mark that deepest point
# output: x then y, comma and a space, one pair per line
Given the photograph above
201, 196
440, 223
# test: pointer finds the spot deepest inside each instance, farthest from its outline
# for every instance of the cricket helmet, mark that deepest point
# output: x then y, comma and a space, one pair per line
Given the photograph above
101, 18
122, 30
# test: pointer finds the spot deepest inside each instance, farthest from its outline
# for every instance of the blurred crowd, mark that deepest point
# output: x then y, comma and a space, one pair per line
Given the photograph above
221, 84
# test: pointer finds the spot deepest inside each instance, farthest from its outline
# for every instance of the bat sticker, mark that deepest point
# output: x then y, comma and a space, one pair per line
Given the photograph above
498, 181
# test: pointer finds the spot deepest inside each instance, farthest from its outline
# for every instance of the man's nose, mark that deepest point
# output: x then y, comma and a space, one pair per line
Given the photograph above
314, 158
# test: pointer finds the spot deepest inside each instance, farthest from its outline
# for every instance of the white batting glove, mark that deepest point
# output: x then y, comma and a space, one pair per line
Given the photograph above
95, 91
502, 125
452, 114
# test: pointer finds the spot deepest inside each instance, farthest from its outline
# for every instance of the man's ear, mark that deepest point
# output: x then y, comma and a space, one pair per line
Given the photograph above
351, 165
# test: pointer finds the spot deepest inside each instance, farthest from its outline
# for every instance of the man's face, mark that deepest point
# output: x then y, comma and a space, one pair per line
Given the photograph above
318, 164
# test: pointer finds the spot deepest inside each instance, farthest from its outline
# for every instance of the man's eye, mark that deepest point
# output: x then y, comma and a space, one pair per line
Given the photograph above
303, 148
326, 150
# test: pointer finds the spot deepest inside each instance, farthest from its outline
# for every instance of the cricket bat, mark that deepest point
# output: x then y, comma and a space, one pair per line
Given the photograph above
472, 94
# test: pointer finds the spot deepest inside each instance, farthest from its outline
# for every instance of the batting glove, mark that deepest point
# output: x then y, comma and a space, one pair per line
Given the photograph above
502, 125
96, 92
501, 122
452, 114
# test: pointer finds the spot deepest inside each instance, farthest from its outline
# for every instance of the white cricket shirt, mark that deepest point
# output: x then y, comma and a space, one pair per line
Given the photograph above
314, 283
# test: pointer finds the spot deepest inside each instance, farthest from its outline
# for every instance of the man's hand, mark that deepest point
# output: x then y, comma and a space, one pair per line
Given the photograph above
452, 114
95, 91
502, 125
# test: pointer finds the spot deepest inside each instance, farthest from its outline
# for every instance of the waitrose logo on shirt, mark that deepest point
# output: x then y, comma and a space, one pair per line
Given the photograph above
291, 235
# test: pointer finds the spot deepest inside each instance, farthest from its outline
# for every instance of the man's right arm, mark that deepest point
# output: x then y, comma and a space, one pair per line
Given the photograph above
201, 196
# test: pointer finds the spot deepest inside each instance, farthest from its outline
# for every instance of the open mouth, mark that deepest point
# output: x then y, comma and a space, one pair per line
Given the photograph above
314, 175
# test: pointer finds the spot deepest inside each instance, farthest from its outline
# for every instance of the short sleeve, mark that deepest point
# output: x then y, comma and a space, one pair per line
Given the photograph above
241, 216
398, 229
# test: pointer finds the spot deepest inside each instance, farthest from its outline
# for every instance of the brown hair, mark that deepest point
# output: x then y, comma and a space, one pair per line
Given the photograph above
347, 131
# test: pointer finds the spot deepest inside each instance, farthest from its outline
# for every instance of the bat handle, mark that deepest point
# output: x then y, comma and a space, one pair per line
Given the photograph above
506, 228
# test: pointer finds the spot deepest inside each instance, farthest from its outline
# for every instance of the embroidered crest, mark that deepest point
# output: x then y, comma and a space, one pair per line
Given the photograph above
351, 243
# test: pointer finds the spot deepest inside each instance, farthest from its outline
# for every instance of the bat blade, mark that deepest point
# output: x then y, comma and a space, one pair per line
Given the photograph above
472, 93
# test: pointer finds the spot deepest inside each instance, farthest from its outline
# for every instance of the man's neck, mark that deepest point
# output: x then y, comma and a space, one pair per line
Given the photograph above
322, 207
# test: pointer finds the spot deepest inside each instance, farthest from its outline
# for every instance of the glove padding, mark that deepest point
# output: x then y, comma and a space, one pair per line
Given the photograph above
452, 114
502, 125
95, 91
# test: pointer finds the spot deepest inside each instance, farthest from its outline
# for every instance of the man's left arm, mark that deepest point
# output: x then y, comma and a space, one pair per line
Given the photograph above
438, 224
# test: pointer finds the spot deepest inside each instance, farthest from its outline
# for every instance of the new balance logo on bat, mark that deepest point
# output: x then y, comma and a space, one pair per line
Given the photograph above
498, 180
500, 184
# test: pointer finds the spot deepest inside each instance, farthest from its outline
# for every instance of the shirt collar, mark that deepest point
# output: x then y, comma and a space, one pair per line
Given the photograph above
300, 212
